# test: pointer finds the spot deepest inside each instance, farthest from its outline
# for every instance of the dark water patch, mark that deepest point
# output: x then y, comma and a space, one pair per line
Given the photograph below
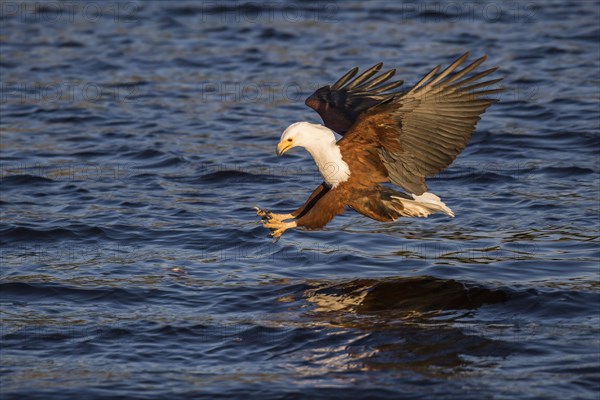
499, 178
121, 135
270, 33
74, 120
167, 22
71, 43
73, 188
8, 64
436, 15
164, 163
89, 153
129, 204
235, 176
144, 154
188, 63
245, 9
126, 85
36, 292
566, 172
96, 64
50, 68
23, 180
13, 234
553, 304
79, 139
432, 352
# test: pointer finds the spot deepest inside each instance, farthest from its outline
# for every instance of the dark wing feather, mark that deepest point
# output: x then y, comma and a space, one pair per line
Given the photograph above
340, 104
420, 133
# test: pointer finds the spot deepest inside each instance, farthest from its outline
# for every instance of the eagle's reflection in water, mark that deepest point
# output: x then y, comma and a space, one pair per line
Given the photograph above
422, 325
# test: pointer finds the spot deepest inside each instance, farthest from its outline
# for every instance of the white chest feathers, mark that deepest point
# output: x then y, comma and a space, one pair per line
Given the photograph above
332, 166
320, 142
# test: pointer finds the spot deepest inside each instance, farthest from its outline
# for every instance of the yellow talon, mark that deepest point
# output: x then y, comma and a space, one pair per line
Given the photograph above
264, 214
277, 233
277, 227
272, 224
269, 216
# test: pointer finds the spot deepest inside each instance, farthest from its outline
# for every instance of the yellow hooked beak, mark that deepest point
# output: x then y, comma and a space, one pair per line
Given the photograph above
283, 146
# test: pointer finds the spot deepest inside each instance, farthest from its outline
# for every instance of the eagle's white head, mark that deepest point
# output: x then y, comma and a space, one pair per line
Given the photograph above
320, 142
304, 134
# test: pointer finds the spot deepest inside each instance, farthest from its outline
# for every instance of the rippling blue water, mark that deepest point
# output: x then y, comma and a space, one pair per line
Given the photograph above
137, 136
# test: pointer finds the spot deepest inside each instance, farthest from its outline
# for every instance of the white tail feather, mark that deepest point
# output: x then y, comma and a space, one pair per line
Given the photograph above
423, 205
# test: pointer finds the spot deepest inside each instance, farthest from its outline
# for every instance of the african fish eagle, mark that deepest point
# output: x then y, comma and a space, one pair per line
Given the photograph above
396, 137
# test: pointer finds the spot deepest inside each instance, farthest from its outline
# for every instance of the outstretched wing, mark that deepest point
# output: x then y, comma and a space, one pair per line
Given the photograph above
420, 133
340, 104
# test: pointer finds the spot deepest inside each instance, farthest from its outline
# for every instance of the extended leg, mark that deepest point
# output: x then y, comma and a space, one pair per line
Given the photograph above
310, 202
269, 216
322, 211
315, 196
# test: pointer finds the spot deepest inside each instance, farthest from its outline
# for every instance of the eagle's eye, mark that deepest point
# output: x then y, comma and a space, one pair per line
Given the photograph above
289, 140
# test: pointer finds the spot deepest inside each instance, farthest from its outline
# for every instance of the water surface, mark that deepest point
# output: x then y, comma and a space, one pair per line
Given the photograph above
137, 137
